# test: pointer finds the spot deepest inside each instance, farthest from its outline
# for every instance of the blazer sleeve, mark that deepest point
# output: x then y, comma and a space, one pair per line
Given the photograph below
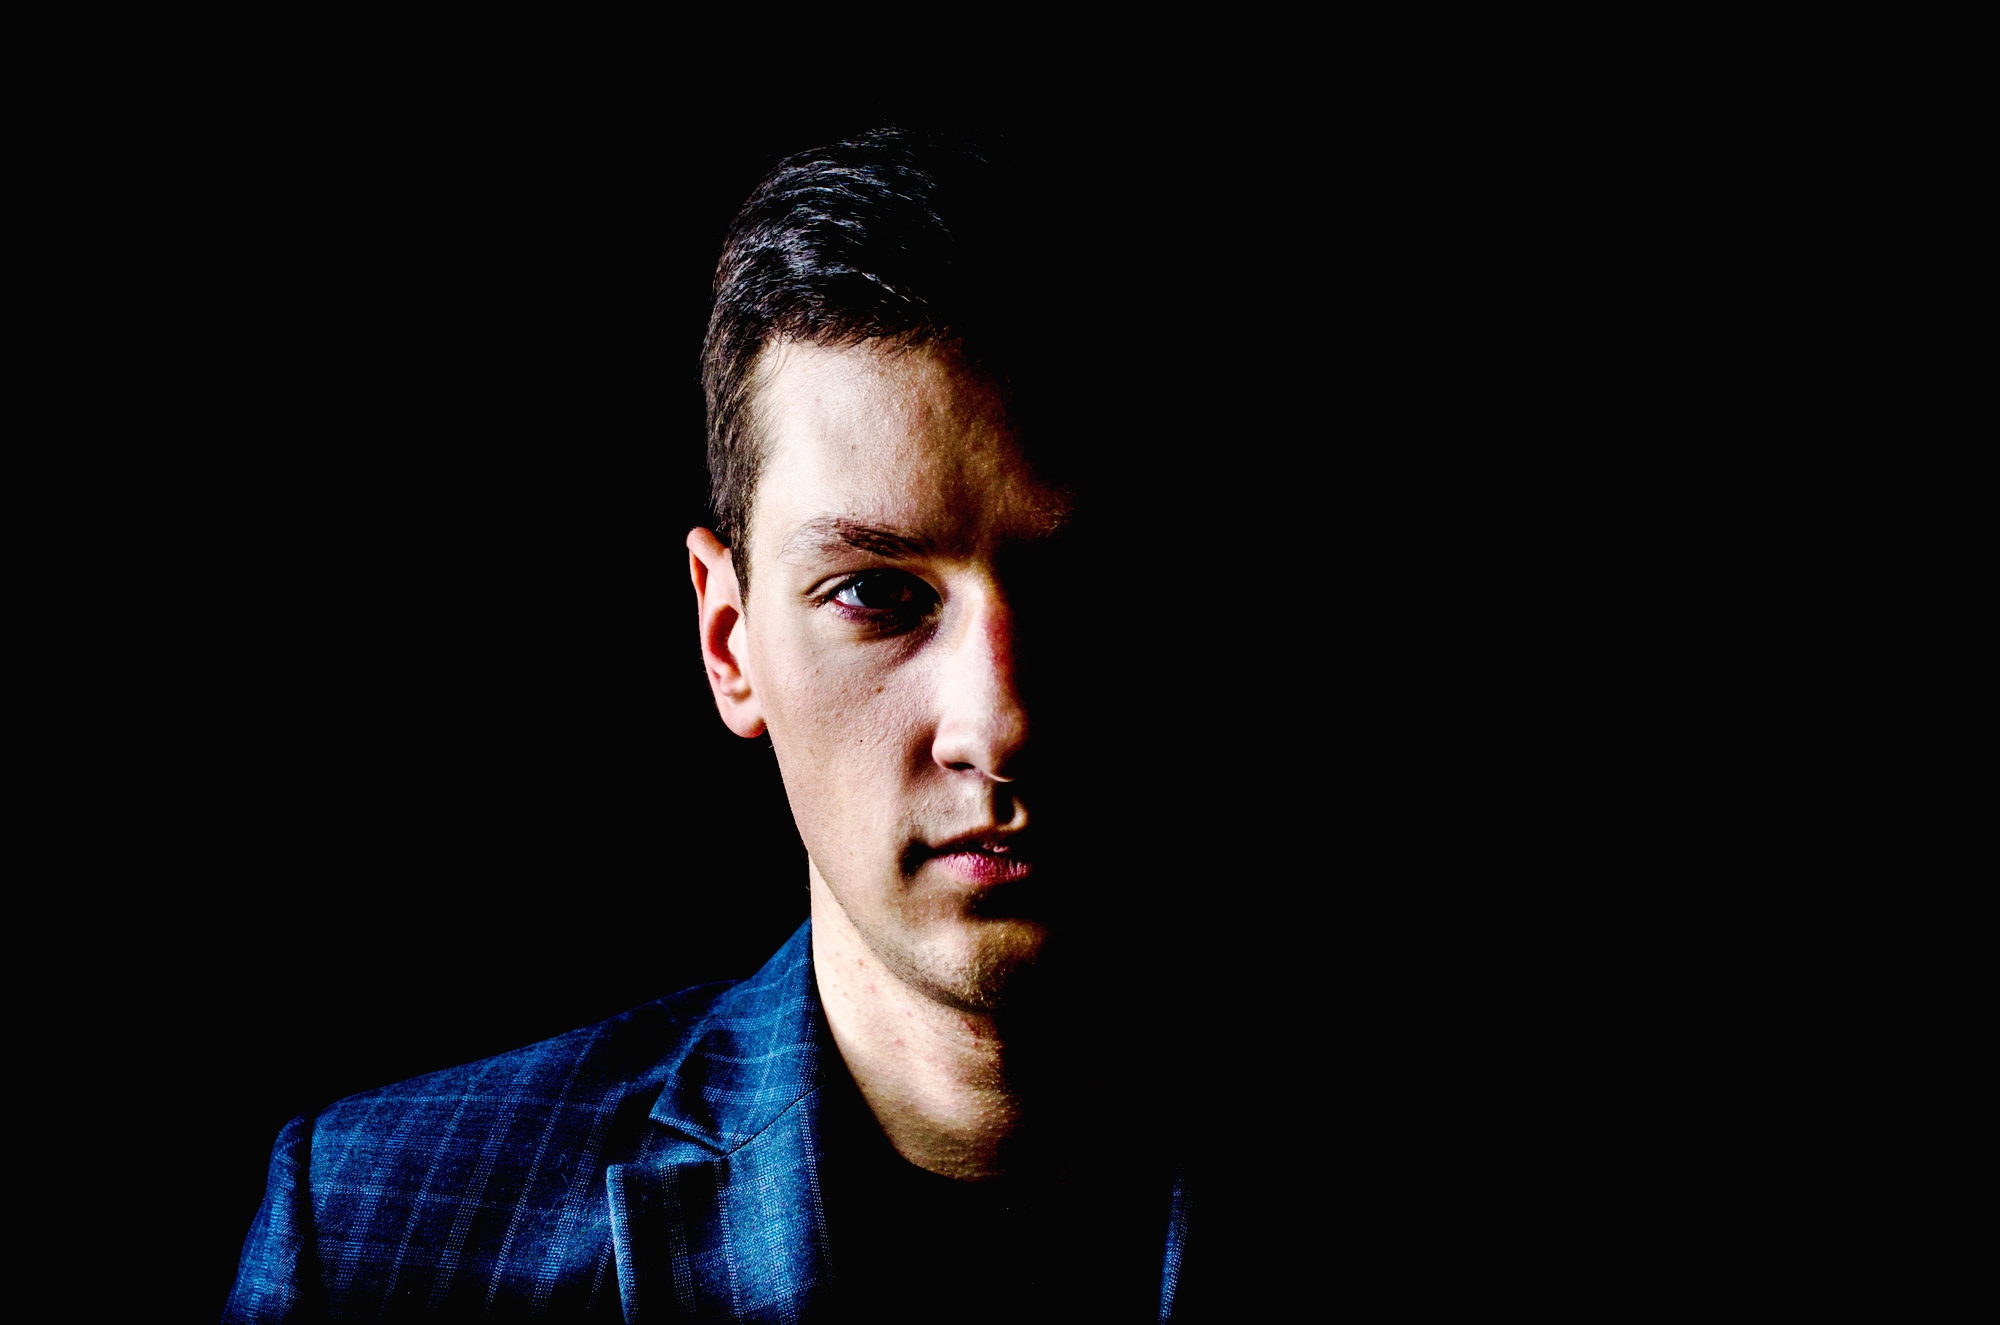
278, 1277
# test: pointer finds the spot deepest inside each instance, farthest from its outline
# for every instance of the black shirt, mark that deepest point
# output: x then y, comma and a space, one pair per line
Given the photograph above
908, 1244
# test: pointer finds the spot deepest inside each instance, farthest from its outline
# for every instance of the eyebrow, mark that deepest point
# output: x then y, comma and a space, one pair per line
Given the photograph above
831, 535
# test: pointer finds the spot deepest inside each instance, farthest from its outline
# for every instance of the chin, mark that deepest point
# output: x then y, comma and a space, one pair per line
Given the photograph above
982, 964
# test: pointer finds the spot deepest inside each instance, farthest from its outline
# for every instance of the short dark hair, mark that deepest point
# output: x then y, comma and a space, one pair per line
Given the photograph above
894, 235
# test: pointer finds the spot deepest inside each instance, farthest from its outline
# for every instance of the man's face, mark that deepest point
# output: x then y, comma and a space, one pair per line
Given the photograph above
882, 643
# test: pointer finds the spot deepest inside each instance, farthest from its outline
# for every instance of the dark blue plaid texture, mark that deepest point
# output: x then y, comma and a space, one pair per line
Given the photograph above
662, 1165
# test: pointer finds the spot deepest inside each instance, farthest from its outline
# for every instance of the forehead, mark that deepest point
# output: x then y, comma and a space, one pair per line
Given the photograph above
904, 440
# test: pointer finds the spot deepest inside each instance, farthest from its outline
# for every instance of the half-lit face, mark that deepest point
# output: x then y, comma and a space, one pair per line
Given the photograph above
880, 641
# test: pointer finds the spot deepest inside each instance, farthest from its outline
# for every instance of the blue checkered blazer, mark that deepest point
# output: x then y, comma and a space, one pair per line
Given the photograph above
662, 1165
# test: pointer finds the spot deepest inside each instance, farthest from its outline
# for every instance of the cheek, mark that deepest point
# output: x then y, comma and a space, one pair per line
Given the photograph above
848, 728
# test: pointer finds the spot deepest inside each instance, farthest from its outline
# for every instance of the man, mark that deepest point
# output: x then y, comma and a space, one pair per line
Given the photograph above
918, 1106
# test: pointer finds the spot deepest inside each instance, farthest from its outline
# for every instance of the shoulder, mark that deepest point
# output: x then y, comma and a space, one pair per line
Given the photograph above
631, 1054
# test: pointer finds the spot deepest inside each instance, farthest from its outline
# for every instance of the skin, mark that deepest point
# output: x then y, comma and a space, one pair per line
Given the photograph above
881, 655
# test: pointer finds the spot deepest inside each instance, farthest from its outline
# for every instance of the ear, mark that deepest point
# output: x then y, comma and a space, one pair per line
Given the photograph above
718, 603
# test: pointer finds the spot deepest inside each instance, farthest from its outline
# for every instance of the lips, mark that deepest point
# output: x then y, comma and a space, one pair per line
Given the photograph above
982, 859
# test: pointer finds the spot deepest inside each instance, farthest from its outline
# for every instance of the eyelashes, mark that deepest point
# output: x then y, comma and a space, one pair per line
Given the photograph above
882, 599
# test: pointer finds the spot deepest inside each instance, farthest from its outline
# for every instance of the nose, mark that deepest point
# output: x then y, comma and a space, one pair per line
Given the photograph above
982, 723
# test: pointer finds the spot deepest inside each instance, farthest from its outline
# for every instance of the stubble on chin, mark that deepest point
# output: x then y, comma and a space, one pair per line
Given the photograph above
964, 962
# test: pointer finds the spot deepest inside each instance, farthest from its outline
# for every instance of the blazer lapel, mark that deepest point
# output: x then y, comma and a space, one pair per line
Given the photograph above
742, 1237
723, 1219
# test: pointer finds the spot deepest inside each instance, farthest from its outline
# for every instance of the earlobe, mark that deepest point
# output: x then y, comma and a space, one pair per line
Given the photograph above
719, 618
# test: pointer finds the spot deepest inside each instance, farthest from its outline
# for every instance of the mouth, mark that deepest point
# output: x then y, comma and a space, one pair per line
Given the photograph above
981, 860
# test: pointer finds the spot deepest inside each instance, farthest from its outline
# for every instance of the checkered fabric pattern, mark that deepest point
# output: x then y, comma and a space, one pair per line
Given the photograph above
662, 1165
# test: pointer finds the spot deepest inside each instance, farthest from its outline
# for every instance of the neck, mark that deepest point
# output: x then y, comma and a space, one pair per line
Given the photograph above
936, 1078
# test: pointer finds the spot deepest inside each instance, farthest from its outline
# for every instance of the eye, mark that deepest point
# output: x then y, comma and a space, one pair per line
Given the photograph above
883, 597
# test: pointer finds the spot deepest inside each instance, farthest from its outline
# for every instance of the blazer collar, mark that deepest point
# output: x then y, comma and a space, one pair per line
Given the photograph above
725, 1221
754, 1056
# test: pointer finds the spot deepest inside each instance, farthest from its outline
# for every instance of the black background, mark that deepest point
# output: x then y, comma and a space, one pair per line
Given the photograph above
378, 736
